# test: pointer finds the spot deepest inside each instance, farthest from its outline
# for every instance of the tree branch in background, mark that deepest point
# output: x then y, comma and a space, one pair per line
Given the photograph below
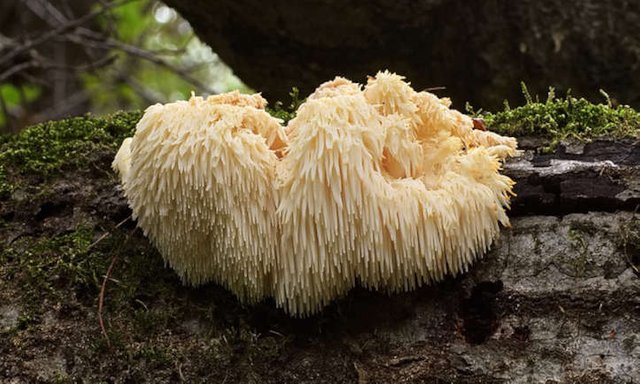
95, 40
42, 58
29, 44
17, 69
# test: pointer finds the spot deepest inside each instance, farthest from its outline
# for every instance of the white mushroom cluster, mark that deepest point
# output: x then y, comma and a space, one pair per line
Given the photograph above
379, 185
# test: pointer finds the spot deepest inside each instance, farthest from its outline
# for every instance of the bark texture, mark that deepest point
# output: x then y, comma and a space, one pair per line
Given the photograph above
478, 50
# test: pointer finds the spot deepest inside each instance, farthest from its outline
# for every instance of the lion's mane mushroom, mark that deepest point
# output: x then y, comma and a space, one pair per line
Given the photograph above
198, 176
382, 186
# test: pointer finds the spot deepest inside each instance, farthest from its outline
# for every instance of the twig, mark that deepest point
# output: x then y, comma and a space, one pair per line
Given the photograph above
101, 300
111, 21
180, 374
15, 69
104, 282
104, 236
143, 304
146, 94
50, 9
94, 64
62, 107
431, 89
404, 360
35, 80
58, 31
97, 40
45, 11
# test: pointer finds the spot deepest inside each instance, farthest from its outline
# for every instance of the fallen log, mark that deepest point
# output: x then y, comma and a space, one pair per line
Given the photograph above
557, 299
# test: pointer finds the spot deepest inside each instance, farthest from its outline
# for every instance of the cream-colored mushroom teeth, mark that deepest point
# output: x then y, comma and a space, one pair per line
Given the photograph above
443, 203
384, 186
327, 213
198, 176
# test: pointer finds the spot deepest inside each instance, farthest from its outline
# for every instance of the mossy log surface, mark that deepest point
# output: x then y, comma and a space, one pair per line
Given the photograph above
557, 300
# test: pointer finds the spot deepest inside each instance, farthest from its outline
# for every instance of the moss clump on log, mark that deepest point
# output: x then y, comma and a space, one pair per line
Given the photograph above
564, 118
46, 149
286, 113
49, 147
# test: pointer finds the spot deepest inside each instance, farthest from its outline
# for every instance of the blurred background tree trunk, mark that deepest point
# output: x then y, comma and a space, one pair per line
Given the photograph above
478, 50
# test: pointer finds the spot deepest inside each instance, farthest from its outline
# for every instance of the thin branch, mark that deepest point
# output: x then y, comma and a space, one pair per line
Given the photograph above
145, 93
66, 9
111, 22
33, 79
62, 107
107, 276
41, 62
96, 64
58, 31
17, 68
104, 236
96, 40
149, 56
44, 9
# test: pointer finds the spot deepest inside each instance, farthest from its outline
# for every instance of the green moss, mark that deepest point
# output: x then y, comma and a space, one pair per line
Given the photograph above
62, 378
46, 265
25, 320
587, 228
561, 118
50, 147
147, 322
5, 187
156, 356
287, 113
52, 269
